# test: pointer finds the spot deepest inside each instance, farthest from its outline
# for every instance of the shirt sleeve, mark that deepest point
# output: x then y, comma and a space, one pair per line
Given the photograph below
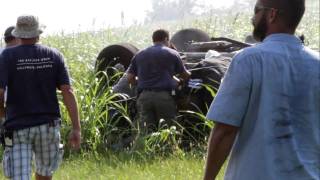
230, 104
132, 69
3, 72
63, 73
179, 67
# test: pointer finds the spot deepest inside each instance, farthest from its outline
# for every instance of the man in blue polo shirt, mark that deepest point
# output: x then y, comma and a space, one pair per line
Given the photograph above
155, 68
32, 74
268, 105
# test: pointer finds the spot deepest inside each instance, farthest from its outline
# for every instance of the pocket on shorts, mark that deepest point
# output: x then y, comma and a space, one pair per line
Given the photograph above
53, 136
58, 159
21, 136
7, 163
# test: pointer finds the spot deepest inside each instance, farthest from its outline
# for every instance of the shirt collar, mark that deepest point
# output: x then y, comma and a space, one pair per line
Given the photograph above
282, 37
158, 44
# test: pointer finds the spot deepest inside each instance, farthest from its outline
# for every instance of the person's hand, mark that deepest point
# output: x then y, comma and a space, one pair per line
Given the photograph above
75, 139
178, 81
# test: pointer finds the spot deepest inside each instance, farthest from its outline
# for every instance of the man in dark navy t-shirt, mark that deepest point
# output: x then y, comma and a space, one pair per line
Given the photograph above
32, 74
155, 68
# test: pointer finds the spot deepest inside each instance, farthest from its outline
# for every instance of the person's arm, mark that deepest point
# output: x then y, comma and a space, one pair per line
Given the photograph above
131, 79
182, 77
182, 73
3, 83
185, 75
71, 105
229, 108
220, 143
1, 104
132, 72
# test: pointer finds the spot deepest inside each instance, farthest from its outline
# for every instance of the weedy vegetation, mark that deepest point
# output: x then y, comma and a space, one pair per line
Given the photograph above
159, 155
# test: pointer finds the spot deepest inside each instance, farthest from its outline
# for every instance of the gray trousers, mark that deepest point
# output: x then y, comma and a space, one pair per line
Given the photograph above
154, 106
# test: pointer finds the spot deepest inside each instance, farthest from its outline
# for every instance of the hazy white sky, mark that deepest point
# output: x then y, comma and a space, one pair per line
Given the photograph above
75, 15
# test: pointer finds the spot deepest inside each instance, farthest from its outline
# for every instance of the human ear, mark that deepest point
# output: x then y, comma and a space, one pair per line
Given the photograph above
273, 14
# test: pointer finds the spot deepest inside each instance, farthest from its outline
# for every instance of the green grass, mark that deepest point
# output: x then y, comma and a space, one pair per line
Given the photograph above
125, 166
80, 51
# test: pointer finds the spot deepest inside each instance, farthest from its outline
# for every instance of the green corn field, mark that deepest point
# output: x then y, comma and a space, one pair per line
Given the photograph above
158, 156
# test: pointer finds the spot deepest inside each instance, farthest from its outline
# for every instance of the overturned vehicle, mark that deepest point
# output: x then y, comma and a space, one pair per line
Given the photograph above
206, 58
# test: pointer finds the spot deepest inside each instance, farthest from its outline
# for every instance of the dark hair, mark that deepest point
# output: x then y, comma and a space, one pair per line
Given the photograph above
160, 35
8, 39
8, 34
290, 11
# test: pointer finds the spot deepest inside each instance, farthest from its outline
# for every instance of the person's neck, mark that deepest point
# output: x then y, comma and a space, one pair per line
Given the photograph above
162, 43
283, 30
30, 41
10, 44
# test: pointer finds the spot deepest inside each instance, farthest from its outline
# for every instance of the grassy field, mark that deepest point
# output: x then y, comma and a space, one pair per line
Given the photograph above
80, 51
119, 167
131, 167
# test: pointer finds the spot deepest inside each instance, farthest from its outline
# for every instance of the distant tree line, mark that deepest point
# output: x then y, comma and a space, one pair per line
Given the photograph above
167, 10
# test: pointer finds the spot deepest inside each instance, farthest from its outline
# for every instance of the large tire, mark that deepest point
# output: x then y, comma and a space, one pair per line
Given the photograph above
108, 60
182, 38
114, 54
